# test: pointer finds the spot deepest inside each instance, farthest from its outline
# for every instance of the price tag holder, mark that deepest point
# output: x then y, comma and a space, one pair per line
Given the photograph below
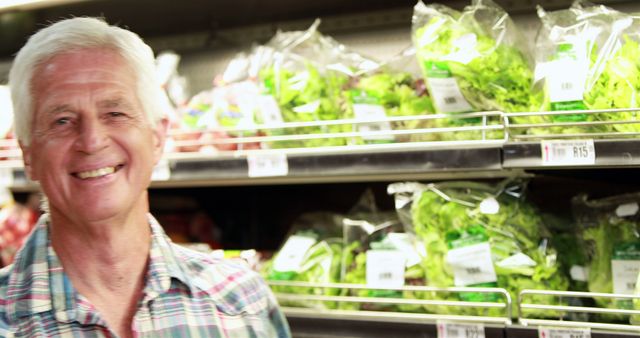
162, 171
568, 152
6, 177
550, 332
267, 165
460, 330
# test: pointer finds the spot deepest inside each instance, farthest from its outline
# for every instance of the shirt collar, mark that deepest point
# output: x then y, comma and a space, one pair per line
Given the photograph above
37, 282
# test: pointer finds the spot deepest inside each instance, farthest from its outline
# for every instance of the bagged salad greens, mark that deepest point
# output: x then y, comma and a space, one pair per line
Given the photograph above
306, 74
379, 254
610, 229
587, 58
474, 60
481, 235
311, 253
392, 88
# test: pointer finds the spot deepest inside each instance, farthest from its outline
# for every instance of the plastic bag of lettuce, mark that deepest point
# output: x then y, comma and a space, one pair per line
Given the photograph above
610, 230
305, 72
587, 58
482, 235
379, 254
474, 60
311, 253
392, 88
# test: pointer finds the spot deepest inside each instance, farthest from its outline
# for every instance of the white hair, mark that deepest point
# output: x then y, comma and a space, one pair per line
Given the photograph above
76, 34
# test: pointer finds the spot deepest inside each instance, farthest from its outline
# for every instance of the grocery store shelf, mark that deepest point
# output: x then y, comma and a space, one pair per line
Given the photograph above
608, 153
326, 314
380, 162
309, 323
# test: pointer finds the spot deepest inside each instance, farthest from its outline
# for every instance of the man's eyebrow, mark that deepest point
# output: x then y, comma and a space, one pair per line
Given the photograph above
114, 103
58, 109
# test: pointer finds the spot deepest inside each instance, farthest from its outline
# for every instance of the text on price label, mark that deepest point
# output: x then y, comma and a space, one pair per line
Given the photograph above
460, 330
568, 152
265, 165
549, 332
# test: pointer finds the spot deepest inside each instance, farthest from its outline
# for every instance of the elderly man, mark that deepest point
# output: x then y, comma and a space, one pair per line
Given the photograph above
98, 264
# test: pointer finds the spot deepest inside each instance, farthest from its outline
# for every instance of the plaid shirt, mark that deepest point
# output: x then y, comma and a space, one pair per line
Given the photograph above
187, 294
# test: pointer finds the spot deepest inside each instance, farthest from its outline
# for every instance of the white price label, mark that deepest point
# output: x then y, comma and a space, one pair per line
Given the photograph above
269, 110
292, 253
460, 330
161, 172
6, 177
625, 273
385, 268
566, 79
569, 152
548, 332
266, 165
447, 96
472, 264
369, 112
627, 209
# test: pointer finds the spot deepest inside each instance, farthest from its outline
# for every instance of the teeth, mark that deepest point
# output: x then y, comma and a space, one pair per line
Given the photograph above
96, 173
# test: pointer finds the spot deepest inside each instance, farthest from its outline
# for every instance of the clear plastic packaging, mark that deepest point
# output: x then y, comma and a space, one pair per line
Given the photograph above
481, 235
474, 60
610, 231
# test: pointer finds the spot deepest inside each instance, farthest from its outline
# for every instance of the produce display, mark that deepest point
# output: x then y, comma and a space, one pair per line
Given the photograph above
312, 253
378, 253
473, 60
480, 235
587, 58
610, 230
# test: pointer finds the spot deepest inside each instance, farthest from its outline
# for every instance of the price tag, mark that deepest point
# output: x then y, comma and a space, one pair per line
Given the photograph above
472, 264
368, 112
569, 152
161, 172
385, 268
460, 330
548, 332
269, 110
292, 253
266, 165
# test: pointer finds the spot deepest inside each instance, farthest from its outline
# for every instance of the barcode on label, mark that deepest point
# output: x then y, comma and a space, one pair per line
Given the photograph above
566, 86
385, 276
450, 100
559, 152
473, 270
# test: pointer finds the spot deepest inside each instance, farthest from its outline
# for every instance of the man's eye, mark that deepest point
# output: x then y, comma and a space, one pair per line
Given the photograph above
62, 121
116, 114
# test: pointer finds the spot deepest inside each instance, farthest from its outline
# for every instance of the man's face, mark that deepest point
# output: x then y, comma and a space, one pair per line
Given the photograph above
92, 148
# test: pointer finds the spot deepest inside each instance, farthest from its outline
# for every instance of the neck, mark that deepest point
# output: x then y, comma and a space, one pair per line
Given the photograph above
106, 261
109, 251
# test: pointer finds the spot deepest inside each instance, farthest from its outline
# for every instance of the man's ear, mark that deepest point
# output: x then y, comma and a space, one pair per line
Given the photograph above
26, 159
159, 137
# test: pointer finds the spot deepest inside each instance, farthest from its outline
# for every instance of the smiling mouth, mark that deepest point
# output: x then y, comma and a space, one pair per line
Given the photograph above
97, 172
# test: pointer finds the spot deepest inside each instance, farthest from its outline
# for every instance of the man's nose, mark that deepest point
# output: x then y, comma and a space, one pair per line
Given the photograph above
92, 135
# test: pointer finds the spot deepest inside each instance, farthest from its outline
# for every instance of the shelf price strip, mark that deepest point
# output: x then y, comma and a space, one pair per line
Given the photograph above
548, 332
460, 330
266, 165
568, 152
